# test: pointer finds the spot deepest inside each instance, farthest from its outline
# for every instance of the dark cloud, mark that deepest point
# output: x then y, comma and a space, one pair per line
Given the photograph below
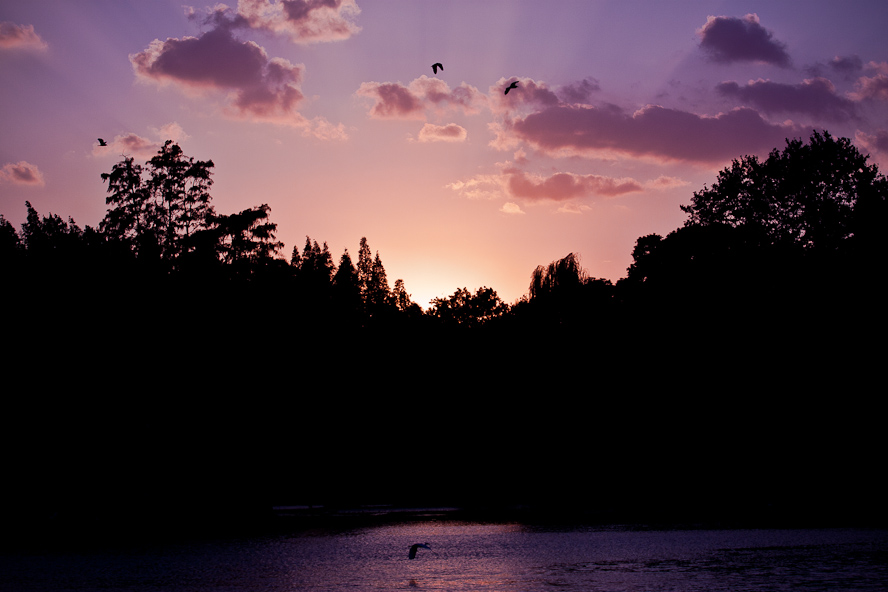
652, 132
731, 39
850, 65
252, 85
259, 87
816, 97
844, 67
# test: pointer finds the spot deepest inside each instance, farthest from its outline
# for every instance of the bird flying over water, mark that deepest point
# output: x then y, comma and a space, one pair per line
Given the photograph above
413, 549
435, 67
510, 87
102, 142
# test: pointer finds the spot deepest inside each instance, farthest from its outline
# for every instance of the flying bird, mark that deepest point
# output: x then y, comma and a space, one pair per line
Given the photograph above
102, 142
510, 87
435, 67
413, 549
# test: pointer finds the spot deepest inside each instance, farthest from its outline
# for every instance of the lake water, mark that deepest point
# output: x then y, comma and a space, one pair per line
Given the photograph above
470, 556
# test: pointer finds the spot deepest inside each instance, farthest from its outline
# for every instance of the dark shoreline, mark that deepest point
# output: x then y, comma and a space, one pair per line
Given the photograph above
59, 533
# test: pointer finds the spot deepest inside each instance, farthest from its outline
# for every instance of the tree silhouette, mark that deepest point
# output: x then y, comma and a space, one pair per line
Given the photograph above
10, 245
562, 294
346, 290
131, 218
162, 211
462, 308
402, 300
805, 195
245, 240
315, 266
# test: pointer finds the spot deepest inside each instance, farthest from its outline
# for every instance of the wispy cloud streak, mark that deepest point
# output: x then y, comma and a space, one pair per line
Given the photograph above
14, 36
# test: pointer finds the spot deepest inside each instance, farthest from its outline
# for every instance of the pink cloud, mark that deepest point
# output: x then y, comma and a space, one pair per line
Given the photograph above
128, 144
21, 173
731, 39
394, 100
878, 67
514, 184
653, 132
815, 96
666, 182
566, 186
872, 88
304, 21
875, 143
442, 133
132, 144
13, 36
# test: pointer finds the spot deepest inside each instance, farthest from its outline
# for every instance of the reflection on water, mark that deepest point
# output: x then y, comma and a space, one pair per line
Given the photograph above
468, 556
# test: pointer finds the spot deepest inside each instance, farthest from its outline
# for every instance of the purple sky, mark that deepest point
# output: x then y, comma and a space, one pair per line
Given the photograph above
329, 112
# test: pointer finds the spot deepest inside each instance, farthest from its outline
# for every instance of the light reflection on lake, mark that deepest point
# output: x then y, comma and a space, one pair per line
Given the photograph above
470, 556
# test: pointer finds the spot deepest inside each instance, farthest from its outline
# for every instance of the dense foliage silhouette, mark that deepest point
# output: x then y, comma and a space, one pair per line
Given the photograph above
195, 372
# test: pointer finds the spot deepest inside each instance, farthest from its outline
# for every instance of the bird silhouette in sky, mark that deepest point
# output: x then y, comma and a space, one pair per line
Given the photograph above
102, 142
435, 67
510, 87
412, 554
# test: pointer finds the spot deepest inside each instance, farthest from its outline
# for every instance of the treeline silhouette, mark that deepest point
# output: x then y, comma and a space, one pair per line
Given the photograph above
172, 363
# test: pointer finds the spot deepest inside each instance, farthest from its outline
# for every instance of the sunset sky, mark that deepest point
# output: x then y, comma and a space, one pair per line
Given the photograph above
329, 112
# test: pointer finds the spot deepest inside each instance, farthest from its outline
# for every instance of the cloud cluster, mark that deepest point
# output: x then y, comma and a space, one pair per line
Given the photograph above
303, 21
258, 86
420, 98
731, 39
248, 83
13, 36
21, 173
253, 86
815, 96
